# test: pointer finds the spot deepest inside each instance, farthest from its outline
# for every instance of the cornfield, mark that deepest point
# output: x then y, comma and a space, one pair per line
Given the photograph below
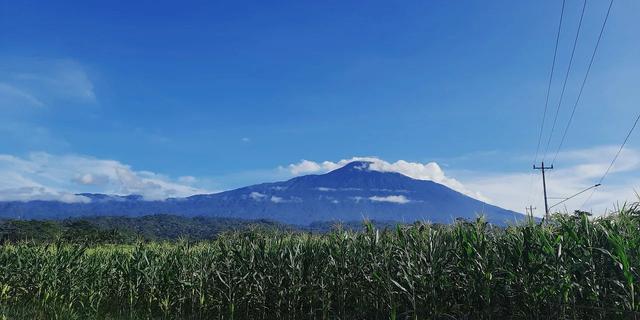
571, 267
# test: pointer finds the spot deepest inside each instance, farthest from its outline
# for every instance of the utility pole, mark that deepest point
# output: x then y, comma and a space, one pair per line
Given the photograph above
544, 187
529, 210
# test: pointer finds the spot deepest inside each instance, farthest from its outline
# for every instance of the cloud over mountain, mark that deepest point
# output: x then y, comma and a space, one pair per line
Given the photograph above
577, 169
393, 199
421, 171
356, 192
44, 176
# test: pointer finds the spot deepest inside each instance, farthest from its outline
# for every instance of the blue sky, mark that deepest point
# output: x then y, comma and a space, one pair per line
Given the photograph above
207, 96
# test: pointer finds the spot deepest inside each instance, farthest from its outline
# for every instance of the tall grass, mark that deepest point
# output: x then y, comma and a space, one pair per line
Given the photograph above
572, 267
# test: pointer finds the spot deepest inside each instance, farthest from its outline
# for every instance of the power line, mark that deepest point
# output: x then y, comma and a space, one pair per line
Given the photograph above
620, 150
588, 198
614, 158
584, 81
575, 195
553, 65
566, 77
546, 102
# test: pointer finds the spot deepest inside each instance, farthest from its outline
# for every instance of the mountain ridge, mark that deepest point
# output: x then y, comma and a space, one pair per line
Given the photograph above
352, 192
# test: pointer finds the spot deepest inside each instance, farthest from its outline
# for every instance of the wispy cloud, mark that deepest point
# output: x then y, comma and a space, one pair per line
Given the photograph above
30, 88
39, 83
11, 96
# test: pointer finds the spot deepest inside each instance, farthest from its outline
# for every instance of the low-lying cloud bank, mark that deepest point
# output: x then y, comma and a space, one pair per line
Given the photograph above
42, 176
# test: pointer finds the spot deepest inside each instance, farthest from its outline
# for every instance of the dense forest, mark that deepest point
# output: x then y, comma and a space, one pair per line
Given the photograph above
118, 229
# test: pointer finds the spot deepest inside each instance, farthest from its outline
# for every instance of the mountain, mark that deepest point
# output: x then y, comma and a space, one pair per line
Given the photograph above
353, 192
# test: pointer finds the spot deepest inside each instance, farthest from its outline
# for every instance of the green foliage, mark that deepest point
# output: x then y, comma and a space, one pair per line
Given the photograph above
73, 231
572, 267
119, 230
161, 227
170, 227
15, 230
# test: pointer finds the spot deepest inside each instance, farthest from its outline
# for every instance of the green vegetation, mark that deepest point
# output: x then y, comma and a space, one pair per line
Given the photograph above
126, 230
161, 227
572, 267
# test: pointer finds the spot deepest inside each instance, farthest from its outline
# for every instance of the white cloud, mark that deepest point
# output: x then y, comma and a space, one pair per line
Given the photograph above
257, 196
393, 199
92, 179
246, 140
422, 171
51, 177
59, 177
86, 178
306, 166
36, 192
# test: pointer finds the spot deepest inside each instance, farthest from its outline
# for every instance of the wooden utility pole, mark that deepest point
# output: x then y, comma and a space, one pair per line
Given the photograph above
544, 187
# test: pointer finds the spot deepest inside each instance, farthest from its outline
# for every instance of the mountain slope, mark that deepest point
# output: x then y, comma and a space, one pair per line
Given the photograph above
352, 192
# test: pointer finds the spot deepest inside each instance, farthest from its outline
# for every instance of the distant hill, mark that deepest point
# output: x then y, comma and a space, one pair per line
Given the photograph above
351, 193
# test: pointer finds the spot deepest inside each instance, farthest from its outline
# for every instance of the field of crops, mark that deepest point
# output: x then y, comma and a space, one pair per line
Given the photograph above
572, 267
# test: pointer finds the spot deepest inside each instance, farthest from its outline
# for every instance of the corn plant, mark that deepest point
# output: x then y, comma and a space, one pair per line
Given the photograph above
575, 266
